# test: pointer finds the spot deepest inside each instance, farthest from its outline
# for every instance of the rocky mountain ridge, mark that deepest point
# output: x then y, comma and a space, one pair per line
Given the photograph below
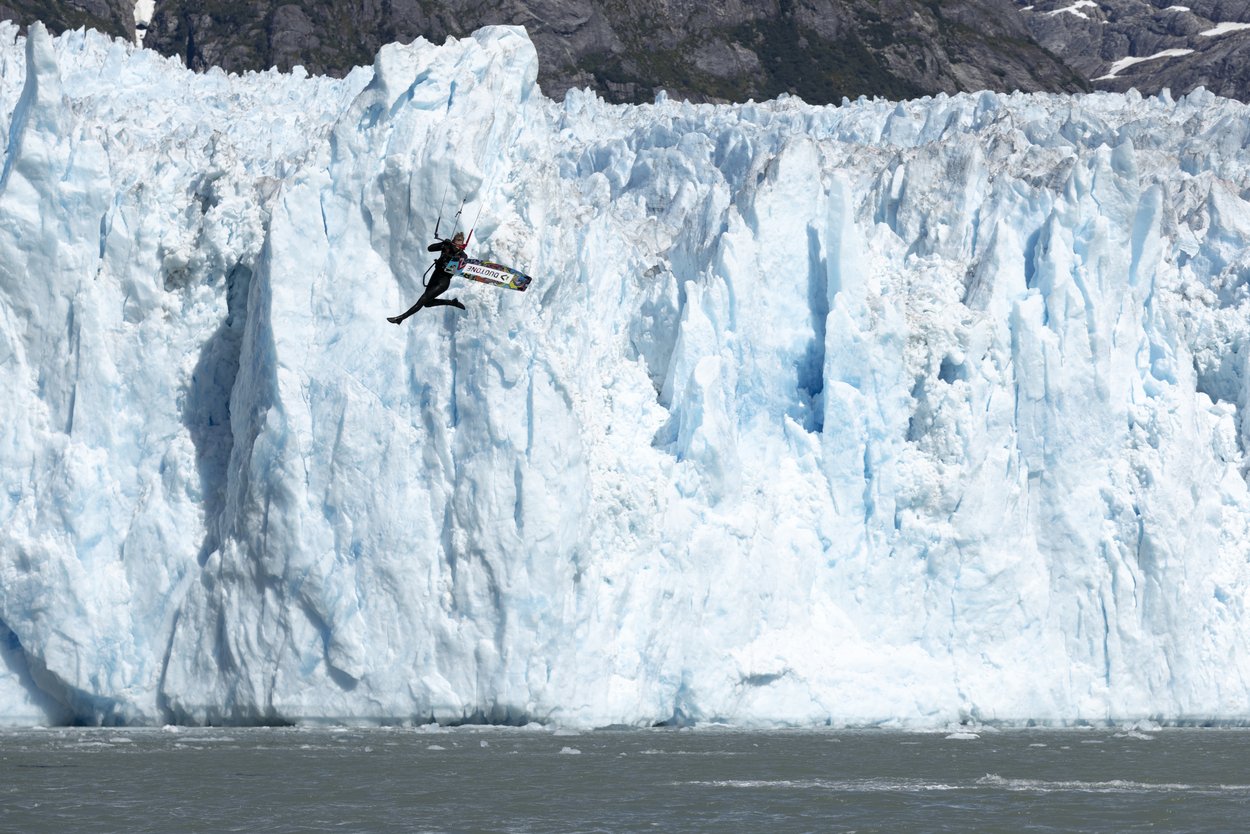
1149, 45
820, 50
113, 17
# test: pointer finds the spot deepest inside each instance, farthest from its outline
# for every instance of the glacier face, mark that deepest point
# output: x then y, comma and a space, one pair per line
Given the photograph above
887, 413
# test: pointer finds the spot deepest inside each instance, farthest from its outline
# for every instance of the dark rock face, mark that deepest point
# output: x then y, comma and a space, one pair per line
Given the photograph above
1178, 44
626, 50
114, 17
734, 50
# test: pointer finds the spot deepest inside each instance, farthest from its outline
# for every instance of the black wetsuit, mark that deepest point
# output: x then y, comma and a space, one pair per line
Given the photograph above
449, 255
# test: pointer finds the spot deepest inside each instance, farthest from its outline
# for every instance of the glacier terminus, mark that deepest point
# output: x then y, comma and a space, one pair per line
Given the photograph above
894, 414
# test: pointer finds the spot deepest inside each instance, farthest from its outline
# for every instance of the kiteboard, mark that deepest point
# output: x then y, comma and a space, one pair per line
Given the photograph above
487, 272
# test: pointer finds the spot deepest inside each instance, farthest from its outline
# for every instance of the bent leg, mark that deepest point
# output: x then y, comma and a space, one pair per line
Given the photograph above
429, 298
444, 302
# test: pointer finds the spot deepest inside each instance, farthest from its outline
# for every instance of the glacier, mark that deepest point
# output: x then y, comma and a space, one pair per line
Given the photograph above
891, 414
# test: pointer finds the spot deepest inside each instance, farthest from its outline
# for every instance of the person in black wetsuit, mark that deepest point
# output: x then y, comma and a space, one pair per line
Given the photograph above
450, 253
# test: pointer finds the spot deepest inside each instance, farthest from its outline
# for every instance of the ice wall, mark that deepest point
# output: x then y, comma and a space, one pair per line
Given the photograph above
887, 413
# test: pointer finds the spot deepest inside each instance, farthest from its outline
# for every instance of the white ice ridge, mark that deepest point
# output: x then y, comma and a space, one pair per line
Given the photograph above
875, 414
1224, 29
1076, 9
1124, 63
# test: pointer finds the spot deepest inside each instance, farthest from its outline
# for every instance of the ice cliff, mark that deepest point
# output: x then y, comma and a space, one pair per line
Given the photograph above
881, 413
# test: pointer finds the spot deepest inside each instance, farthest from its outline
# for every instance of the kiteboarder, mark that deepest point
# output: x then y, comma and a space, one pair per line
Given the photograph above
450, 254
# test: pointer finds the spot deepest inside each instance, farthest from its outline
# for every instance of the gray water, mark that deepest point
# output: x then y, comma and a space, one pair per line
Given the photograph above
531, 780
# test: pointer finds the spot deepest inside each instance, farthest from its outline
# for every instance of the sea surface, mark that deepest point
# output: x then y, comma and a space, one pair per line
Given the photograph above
538, 780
